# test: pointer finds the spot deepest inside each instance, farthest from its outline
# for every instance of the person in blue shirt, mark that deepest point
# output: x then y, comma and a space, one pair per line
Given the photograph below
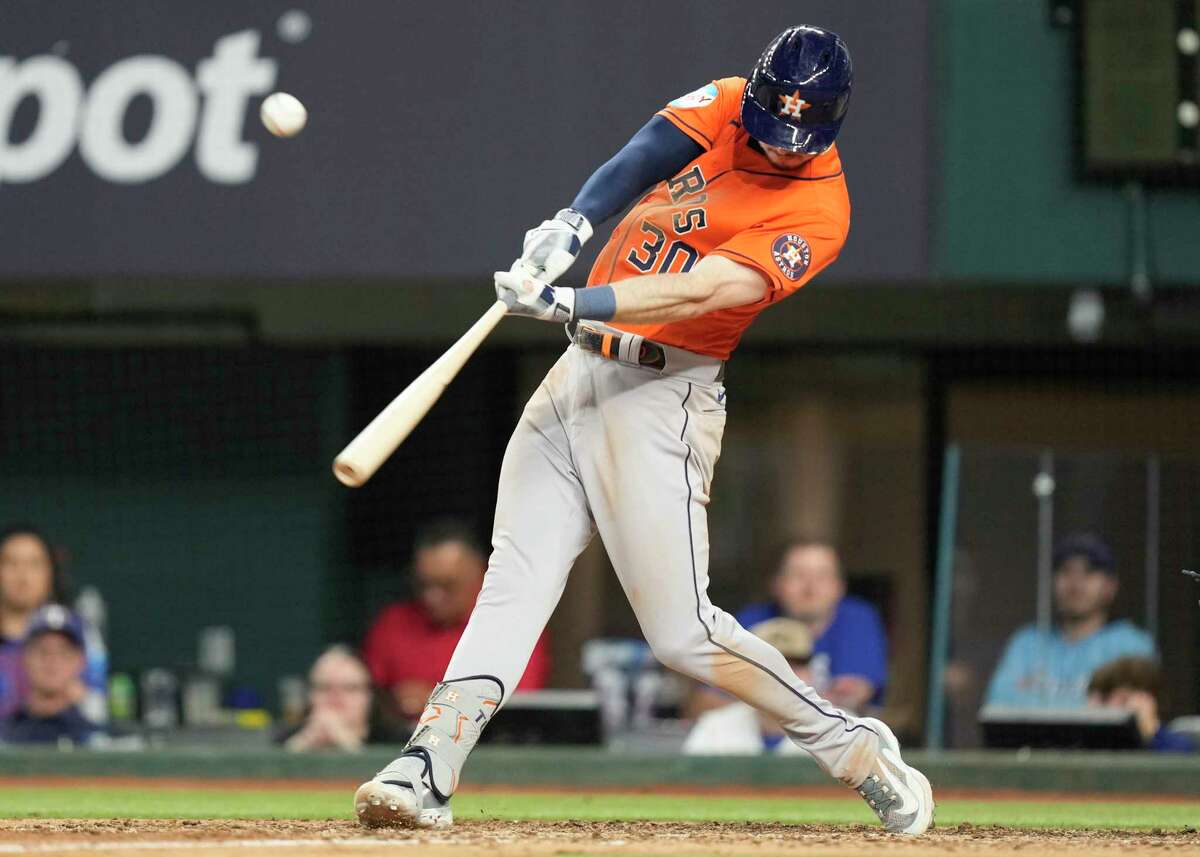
850, 651
1050, 668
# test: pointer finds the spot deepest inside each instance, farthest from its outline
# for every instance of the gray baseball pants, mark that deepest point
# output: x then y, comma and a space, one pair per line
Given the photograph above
629, 452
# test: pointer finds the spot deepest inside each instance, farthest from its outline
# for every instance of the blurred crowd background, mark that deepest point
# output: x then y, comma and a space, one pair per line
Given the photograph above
960, 478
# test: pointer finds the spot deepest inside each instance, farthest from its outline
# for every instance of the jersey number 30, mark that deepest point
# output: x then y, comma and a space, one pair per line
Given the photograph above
652, 247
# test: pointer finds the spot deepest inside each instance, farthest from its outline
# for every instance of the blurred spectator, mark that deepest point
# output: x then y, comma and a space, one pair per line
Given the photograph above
343, 713
1051, 669
29, 578
1135, 684
411, 643
849, 662
53, 659
737, 728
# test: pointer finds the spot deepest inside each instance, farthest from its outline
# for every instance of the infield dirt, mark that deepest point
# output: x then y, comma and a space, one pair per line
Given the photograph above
151, 838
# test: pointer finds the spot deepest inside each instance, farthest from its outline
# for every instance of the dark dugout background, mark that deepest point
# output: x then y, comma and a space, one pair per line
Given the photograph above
439, 131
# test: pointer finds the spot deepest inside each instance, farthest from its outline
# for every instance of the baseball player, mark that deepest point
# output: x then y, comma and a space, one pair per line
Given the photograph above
739, 200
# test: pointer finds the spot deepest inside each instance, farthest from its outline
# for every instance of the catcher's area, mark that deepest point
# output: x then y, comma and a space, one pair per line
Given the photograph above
509, 839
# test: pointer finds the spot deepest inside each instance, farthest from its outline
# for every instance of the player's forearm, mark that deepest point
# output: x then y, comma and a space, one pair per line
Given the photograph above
662, 298
714, 283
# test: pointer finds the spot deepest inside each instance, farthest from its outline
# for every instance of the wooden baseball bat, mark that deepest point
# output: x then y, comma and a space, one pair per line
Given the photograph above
362, 456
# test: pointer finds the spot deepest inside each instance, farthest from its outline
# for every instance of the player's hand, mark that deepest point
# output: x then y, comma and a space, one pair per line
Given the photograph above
553, 247
525, 294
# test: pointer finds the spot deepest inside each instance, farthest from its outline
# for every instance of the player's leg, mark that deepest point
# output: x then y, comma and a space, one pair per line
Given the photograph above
648, 471
542, 524
656, 460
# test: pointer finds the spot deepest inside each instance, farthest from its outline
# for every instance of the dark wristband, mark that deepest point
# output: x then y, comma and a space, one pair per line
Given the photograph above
598, 303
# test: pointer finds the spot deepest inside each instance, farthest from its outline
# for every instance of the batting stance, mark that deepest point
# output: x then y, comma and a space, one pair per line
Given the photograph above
741, 200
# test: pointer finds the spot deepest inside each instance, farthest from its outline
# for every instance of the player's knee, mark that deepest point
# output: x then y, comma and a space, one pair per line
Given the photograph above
725, 631
691, 651
676, 653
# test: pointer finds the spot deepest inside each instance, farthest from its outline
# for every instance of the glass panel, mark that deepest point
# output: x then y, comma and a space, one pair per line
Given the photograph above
1143, 509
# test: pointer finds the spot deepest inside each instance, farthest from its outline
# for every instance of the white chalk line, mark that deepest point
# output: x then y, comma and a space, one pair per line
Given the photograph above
210, 844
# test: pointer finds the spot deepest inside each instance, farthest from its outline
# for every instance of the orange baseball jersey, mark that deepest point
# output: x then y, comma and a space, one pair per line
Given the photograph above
788, 225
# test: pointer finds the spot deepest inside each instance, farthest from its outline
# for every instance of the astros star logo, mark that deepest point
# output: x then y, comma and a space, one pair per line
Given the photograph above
792, 255
793, 104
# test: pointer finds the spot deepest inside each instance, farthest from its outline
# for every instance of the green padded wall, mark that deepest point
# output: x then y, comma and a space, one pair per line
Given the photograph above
1010, 206
191, 486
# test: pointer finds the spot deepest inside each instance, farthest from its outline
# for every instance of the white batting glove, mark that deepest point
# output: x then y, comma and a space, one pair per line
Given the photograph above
553, 247
525, 294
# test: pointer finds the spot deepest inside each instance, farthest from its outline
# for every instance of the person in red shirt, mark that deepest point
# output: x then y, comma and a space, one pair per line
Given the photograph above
410, 643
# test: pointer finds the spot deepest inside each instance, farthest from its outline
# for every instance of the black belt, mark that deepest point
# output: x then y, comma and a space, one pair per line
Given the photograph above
608, 345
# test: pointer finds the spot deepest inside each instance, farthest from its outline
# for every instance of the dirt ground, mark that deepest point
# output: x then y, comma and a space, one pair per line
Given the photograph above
146, 838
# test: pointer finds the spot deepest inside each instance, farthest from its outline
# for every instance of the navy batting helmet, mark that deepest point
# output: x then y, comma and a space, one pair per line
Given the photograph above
797, 95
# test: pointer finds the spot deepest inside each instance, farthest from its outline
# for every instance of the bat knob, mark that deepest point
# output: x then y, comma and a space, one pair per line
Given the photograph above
347, 474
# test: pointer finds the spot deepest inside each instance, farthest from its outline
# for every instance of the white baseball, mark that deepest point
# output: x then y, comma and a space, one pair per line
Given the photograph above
1188, 114
283, 114
1188, 41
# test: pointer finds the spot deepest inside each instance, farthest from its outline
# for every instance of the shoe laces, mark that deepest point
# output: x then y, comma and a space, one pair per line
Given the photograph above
878, 794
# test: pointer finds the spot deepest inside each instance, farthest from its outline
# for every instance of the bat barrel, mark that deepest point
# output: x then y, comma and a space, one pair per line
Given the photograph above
363, 456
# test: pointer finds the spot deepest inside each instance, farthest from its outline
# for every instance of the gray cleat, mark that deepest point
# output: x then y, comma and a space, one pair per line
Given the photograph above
899, 794
398, 796
415, 789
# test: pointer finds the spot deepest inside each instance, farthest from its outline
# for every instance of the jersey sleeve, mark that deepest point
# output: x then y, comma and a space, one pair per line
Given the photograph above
703, 113
787, 256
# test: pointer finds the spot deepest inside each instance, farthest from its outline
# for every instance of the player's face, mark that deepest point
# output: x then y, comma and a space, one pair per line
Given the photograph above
26, 574
808, 585
782, 159
449, 576
1081, 591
